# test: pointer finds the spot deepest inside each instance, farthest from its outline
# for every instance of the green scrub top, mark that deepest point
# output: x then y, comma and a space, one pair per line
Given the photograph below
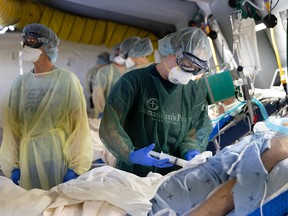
143, 108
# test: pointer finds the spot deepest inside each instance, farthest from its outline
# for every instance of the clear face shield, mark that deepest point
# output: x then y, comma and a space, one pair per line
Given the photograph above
33, 40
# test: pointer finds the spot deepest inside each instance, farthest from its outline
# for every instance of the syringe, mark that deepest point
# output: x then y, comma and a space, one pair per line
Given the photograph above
172, 159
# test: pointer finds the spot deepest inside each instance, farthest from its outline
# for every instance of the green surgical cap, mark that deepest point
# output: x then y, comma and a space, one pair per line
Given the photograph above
42, 31
140, 48
127, 44
191, 39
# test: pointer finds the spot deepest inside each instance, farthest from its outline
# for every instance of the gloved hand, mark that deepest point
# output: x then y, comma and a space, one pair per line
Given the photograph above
70, 174
100, 115
15, 176
191, 154
142, 157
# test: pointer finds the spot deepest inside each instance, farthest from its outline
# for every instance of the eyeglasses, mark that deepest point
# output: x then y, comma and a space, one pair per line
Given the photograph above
32, 40
191, 64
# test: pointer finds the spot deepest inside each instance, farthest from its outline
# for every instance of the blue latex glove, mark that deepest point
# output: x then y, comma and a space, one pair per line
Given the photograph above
191, 154
15, 176
142, 157
100, 115
70, 174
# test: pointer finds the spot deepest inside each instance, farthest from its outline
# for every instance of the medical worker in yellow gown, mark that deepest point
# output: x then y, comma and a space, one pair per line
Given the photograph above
45, 132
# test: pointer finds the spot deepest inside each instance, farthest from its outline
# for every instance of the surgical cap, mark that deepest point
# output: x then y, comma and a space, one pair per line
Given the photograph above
127, 44
103, 58
49, 34
42, 31
142, 47
191, 39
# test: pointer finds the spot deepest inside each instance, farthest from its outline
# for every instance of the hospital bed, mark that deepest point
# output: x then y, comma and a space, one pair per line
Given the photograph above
238, 117
107, 191
237, 124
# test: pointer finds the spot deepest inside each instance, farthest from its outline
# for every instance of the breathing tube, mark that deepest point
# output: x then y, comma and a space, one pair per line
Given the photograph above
274, 124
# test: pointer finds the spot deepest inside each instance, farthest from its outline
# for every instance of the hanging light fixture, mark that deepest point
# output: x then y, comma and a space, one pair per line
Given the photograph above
270, 20
4, 29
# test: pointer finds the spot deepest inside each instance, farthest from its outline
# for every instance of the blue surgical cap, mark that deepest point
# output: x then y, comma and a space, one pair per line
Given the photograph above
128, 43
191, 40
50, 48
140, 48
103, 58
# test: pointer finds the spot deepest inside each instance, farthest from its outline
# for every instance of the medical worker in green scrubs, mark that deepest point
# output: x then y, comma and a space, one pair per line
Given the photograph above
161, 107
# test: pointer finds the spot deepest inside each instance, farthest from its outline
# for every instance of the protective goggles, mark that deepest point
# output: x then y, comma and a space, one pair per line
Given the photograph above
191, 64
124, 55
32, 40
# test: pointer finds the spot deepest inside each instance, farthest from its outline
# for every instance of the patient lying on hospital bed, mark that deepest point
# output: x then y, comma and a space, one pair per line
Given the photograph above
243, 168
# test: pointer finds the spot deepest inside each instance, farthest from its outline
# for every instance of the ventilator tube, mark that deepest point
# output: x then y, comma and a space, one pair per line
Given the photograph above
172, 159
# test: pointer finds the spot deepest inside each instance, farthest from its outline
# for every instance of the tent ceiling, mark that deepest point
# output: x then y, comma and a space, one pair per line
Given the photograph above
158, 16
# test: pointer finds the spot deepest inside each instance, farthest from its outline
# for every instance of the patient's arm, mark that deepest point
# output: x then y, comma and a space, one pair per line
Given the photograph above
221, 201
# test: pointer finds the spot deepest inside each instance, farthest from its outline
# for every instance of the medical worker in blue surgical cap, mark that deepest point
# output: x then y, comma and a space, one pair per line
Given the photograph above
103, 59
135, 52
46, 137
105, 78
161, 107
130, 54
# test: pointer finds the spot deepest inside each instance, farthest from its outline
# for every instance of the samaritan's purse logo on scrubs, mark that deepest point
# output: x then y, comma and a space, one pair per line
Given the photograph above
151, 109
152, 104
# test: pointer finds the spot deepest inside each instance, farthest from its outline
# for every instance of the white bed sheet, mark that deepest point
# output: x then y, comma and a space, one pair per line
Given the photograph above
101, 191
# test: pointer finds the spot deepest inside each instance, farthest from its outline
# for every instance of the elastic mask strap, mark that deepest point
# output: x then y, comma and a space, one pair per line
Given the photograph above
166, 66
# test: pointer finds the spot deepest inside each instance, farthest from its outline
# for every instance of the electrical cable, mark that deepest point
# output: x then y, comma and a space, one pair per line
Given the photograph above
251, 3
274, 5
262, 200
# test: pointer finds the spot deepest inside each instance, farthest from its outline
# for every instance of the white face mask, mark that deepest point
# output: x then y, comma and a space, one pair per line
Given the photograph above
177, 76
119, 60
129, 63
30, 54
